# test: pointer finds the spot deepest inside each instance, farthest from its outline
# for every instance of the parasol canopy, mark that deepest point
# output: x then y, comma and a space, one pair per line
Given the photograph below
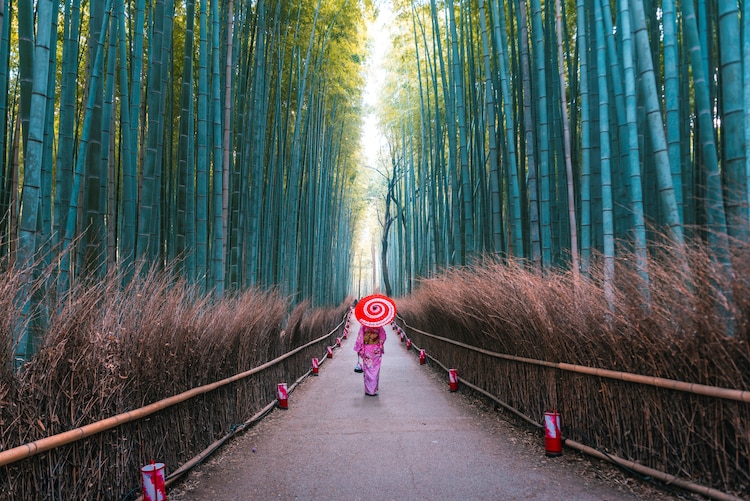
375, 310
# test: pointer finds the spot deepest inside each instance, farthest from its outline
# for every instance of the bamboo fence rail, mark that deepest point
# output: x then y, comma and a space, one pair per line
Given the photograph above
173, 429
38, 446
671, 384
633, 466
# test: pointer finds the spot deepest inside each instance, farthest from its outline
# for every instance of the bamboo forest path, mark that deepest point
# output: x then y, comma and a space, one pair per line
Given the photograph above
415, 440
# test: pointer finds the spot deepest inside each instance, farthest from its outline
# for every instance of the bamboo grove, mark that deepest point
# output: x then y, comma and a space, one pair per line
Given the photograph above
564, 134
218, 137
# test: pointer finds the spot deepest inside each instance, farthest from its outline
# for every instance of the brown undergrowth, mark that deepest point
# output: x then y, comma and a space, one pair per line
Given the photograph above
684, 328
110, 349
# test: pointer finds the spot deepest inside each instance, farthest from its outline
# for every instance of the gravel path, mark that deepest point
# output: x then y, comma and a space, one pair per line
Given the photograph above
415, 440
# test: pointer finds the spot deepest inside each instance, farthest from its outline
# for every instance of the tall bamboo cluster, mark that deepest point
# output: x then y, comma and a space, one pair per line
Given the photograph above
217, 134
560, 132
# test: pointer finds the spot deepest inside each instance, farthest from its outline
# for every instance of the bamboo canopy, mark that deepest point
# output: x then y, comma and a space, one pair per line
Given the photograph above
215, 138
594, 130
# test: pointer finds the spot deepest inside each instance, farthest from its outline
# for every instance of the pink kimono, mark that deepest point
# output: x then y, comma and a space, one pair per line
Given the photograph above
369, 346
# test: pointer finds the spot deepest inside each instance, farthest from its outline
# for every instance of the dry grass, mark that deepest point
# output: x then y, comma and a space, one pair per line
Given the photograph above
9, 284
680, 334
109, 350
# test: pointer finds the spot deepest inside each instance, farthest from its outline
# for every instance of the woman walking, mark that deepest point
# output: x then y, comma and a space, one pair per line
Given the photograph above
369, 346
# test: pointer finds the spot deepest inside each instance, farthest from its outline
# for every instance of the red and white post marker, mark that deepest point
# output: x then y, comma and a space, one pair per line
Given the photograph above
338, 341
453, 379
315, 366
408, 344
152, 482
552, 434
282, 396
422, 357
330, 352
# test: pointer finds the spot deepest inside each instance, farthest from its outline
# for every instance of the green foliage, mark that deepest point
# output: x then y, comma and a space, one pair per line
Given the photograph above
146, 121
661, 174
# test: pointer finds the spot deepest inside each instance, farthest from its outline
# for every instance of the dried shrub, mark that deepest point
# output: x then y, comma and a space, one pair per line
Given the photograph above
9, 285
110, 349
680, 331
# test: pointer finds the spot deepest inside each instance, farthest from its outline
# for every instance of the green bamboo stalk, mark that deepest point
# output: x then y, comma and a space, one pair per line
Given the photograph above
634, 159
219, 169
585, 175
535, 238
71, 221
26, 51
606, 179
127, 158
291, 257
184, 245
92, 240
575, 265
672, 99
467, 204
108, 253
494, 167
258, 113
149, 211
655, 125
3, 14
540, 67
6, 174
29, 237
44, 245
452, 241
66, 118
732, 121
746, 87
618, 166
202, 156
715, 214
514, 204
227, 125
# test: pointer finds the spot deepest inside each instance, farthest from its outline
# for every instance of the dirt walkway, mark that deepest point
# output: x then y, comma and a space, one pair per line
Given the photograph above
415, 440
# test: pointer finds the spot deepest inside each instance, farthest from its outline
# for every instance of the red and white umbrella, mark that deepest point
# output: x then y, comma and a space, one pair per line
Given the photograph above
375, 310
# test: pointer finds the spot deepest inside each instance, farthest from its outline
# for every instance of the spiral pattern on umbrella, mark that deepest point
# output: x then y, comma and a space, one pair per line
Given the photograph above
375, 310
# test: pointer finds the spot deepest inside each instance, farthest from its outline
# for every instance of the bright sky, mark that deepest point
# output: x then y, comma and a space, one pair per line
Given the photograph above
367, 245
379, 42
